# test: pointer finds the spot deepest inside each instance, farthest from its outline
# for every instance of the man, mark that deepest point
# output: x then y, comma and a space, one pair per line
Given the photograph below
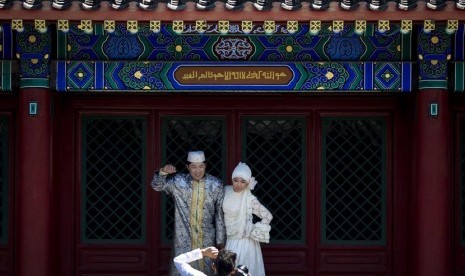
198, 200
223, 264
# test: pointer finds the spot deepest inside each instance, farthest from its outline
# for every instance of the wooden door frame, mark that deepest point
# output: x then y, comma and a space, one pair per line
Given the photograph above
232, 107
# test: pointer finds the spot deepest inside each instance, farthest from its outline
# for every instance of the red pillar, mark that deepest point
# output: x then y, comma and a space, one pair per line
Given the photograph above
432, 252
34, 188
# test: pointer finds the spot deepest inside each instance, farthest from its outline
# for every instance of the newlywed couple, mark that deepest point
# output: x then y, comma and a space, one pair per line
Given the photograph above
207, 214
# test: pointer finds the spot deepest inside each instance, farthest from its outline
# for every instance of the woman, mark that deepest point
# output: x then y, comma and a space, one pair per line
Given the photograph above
224, 261
243, 236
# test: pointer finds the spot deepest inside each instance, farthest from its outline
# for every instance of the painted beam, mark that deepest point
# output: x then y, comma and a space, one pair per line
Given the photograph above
151, 76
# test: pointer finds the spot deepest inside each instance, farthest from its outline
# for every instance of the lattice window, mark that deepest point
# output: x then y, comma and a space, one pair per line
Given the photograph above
354, 181
462, 181
275, 150
4, 180
113, 198
182, 134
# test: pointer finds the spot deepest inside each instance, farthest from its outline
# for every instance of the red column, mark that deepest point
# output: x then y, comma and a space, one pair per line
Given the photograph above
432, 252
34, 187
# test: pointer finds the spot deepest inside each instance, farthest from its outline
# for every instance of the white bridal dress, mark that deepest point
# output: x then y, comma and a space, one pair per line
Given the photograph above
243, 236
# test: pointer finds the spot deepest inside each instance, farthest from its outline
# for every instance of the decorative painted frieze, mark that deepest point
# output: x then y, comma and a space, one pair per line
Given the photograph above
89, 76
434, 53
6, 42
334, 41
33, 50
6, 54
363, 56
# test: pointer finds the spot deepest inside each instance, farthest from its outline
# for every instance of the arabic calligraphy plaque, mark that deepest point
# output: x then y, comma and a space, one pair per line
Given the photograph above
233, 75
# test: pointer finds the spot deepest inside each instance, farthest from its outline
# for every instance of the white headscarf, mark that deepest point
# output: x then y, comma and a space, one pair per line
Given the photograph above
243, 171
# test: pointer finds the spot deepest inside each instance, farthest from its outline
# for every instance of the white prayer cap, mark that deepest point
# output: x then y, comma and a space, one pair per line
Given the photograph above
196, 156
243, 171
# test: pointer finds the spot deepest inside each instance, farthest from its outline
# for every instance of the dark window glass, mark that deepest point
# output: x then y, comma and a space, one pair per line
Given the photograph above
274, 148
113, 180
354, 181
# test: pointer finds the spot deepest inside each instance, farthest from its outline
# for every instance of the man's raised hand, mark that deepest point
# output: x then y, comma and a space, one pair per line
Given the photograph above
169, 169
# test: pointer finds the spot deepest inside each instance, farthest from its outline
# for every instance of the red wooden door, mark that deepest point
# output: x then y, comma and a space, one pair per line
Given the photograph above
112, 222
